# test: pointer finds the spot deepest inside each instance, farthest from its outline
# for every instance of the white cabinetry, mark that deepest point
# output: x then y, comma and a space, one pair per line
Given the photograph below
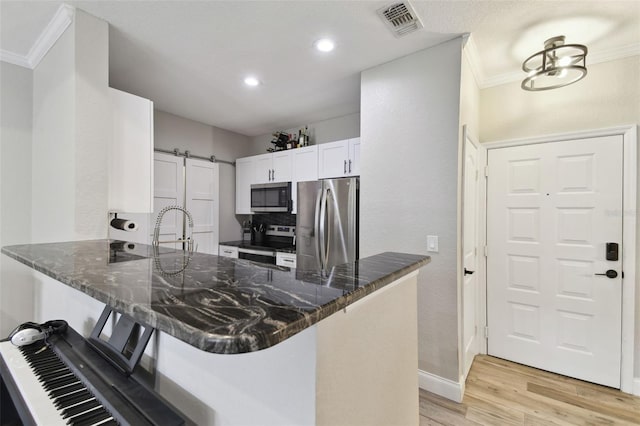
131, 154
339, 159
329, 160
264, 168
245, 176
274, 167
228, 251
305, 168
286, 259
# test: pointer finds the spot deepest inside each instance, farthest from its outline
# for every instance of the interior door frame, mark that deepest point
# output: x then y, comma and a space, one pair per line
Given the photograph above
480, 265
629, 191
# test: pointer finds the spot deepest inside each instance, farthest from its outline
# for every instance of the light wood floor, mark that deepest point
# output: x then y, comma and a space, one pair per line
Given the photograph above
499, 392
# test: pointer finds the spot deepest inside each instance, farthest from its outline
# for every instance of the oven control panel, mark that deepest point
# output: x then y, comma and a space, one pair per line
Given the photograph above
281, 231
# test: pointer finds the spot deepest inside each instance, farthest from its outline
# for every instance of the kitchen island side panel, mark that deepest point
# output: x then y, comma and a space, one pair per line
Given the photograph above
367, 361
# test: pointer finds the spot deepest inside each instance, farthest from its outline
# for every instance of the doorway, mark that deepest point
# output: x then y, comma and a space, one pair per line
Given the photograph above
557, 240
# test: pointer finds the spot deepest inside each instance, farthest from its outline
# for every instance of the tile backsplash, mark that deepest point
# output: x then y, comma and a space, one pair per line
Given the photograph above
274, 219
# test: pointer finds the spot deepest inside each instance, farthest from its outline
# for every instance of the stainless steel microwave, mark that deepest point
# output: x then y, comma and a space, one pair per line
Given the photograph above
271, 197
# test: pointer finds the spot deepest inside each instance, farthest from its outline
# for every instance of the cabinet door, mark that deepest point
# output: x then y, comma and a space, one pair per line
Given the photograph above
245, 176
228, 251
130, 170
202, 201
305, 168
354, 157
333, 159
263, 168
282, 166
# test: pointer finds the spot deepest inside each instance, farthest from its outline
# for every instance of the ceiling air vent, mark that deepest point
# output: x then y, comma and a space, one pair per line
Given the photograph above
401, 18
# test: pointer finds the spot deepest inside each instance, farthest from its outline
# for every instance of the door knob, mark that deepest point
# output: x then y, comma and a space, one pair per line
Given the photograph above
609, 274
468, 272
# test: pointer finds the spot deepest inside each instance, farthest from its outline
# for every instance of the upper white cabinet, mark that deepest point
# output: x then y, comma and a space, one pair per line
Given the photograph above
273, 167
329, 160
245, 176
339, 159
305, 168
131, 154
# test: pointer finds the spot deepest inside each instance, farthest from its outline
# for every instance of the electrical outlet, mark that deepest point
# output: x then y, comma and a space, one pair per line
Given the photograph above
432, 243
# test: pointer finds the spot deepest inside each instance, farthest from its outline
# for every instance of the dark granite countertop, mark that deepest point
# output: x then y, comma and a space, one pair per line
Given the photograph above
217, 304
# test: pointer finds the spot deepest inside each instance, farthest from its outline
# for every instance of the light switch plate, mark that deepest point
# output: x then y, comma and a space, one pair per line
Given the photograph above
432, 243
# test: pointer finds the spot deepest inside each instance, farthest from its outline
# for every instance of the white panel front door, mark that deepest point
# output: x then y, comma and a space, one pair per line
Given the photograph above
202, 202
470, 253
551, 210
168, 182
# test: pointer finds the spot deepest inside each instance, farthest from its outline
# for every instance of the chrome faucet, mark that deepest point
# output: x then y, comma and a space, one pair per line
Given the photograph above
156, 231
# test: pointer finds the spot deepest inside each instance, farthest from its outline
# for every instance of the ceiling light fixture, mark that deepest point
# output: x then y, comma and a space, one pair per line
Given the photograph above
324, 45
557, 65
251, 81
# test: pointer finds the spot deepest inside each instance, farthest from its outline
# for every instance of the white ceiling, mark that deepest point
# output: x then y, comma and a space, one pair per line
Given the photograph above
190, 57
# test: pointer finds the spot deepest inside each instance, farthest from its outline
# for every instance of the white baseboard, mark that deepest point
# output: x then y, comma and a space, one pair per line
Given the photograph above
440, 386
636, 386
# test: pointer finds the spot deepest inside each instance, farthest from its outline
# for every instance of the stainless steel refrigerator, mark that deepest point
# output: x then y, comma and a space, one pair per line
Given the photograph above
327, 223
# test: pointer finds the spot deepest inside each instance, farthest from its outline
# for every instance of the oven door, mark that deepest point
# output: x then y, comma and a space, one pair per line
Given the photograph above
271, 197
260, 256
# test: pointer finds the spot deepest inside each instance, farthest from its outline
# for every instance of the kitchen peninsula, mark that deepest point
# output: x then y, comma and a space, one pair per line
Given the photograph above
245, 343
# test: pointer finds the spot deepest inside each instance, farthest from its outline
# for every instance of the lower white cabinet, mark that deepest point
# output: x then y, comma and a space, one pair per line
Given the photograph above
228, 251
286, 259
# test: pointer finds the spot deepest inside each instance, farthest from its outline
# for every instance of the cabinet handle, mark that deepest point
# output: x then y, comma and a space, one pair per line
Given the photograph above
349, 166
287, 260
345, 167
273, 174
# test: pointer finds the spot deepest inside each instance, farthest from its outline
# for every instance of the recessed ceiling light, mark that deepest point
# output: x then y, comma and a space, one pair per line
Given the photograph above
324, 45
251, 81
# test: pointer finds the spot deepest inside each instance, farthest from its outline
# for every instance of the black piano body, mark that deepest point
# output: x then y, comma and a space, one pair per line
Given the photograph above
126, 396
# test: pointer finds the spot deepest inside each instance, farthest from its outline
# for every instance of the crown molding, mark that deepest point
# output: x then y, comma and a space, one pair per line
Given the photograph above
47, 38
484, 82
473, 58
14, 58
612, 54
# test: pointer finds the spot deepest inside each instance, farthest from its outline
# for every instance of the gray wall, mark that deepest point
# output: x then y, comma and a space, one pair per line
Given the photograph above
171, 131
16, 301
334, 129
409, 181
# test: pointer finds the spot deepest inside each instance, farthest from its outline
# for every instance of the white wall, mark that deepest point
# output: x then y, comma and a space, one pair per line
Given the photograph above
15, 192
409, 128
171, 131
71, 130
334, 129
608, 96
53, 157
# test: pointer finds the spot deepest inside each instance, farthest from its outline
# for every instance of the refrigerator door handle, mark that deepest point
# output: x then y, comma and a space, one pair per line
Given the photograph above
321, 235
329, 195
316, 229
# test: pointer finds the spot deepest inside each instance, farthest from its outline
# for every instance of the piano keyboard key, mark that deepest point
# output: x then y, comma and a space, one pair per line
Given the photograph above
58, 396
